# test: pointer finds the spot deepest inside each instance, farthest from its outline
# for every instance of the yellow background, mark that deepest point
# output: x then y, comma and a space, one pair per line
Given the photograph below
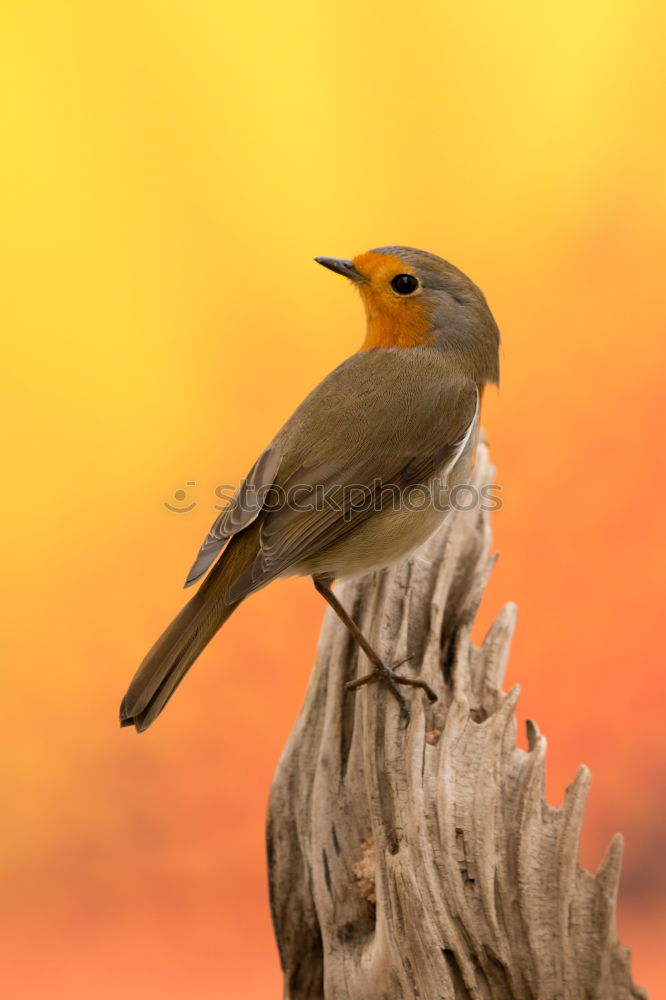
168, 172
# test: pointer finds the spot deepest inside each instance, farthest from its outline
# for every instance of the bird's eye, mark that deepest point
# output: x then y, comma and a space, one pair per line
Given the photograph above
404, 284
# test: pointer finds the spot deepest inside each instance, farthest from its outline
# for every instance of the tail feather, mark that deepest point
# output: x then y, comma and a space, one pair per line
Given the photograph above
167, 662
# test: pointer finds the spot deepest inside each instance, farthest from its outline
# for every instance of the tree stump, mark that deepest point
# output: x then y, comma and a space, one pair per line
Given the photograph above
421, 860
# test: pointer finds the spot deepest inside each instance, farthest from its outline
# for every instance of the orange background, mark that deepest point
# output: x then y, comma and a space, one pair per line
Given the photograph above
169, 170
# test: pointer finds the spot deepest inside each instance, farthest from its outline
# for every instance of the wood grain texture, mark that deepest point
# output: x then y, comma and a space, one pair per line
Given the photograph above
421, 860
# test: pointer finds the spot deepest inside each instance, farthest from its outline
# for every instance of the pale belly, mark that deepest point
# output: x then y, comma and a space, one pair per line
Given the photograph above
385, 537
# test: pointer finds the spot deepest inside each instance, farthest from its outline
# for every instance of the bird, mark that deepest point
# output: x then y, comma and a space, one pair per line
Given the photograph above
329, 497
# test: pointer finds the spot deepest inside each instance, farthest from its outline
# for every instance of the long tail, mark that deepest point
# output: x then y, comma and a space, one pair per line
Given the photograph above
165, 665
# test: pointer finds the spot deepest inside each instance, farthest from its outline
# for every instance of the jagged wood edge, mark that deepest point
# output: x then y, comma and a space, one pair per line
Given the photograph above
477, 887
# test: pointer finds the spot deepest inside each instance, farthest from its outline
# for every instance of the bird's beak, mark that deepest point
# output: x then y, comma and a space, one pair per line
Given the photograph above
344, 267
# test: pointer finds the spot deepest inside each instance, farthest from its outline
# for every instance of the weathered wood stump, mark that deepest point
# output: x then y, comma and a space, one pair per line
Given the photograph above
421, 860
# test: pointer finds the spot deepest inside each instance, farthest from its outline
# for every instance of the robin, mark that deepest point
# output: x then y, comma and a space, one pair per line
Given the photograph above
331, 496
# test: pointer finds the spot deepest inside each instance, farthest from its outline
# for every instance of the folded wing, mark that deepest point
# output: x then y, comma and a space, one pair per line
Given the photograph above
242, 510
360, 435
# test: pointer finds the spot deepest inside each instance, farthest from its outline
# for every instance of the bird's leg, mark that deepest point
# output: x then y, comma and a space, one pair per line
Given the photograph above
380, 671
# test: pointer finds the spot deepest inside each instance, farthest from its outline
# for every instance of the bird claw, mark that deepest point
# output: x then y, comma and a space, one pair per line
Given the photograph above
388, 676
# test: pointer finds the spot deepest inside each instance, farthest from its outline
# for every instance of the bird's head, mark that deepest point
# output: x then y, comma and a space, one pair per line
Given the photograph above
414, 298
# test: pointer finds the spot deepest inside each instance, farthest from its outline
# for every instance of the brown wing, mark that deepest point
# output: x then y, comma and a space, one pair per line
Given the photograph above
389, 421
241, 511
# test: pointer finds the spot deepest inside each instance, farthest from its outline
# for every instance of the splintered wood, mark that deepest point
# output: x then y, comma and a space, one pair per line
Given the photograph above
421, 860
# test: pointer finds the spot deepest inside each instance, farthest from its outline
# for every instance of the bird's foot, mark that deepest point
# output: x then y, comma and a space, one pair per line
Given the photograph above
388, 676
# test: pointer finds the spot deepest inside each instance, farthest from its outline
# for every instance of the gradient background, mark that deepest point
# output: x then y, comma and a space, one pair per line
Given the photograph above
169, 171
